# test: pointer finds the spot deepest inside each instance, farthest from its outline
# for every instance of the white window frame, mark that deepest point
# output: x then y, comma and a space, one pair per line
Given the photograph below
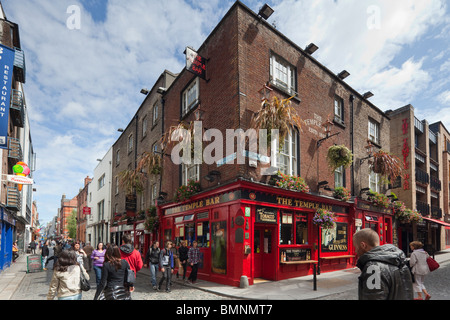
189, 172
339, 109
282, 74
144, 126
374, 131
289, 153
155, 113
374, 181
117, 157
130, 143
101, 182
339, 177
190, 96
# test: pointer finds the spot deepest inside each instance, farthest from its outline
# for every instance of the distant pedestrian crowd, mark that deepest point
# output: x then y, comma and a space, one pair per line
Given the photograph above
114, 267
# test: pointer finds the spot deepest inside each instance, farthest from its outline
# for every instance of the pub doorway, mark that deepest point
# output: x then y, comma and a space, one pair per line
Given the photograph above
264, 252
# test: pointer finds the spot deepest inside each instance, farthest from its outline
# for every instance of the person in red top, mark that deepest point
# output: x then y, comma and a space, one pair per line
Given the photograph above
131, 255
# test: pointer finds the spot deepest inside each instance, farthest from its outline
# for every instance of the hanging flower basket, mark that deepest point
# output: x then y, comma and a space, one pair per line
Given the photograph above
342, 193
338, 156
386, 165
184, 192
324, 219
291, 183
399, 210
378, 199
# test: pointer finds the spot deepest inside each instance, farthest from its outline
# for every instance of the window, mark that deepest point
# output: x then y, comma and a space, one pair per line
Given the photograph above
101, 210
287, 234
301, 228
144, 126
190, 97
374, 131
117, 157
282, 74
155, 113
190, 172
130, 143
287, 155
101, 182
117, 185
339, 110
339, 177
294, 226
374, 181
155, 148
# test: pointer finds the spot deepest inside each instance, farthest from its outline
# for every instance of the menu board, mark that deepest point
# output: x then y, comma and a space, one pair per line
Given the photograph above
295, 254
34, 263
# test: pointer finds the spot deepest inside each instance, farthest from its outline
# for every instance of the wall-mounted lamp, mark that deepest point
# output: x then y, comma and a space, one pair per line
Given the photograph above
265, 12
199, 113
144, 91
161, 90
343, 74
210, 177
264, 92
368, 95
328, 125
363, 190
120, 130
99, 160
369, 150
311, 48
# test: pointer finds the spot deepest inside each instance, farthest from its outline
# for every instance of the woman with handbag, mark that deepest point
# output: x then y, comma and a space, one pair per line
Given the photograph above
66, 282
115, 283
419, 267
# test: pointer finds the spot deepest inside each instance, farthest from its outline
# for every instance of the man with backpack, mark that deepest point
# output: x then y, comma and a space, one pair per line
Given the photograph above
152, 259
166, 264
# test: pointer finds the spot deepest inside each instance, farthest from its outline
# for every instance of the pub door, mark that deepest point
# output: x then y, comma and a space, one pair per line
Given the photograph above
264, 252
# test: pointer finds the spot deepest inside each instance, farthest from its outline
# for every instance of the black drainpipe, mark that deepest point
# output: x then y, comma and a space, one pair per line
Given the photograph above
352, 172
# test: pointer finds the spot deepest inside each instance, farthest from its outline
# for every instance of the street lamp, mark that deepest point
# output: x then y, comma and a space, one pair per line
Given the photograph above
265, 12
264, 92
328, 125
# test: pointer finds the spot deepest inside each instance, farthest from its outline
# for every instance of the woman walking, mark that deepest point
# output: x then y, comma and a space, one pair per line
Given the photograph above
114, 285
98, 258
419, 267
65, 283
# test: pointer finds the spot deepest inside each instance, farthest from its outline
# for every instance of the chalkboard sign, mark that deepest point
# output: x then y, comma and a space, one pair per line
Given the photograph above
34, 263
295, 254
266, 214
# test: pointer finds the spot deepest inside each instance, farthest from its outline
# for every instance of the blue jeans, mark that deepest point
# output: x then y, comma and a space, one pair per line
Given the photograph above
75, 297
153, 271
98, 274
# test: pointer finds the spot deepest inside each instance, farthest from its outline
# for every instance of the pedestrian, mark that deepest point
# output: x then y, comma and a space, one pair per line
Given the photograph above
81, 255
384, 273
130, 254
15, 251
419, 268
166, 264
98, 258
33, 247
57, 249
114, 285
152, 259
88, 249
194, 259
65, 283
45, 252
183, 255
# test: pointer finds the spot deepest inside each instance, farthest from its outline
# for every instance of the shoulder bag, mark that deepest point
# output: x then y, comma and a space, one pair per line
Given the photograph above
84, 283
432, 264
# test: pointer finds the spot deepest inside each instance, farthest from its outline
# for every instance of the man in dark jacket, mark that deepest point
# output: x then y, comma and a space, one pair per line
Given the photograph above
152, 259
384, 274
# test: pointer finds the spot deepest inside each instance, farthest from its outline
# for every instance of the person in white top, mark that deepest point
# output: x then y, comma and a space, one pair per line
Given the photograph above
419, 267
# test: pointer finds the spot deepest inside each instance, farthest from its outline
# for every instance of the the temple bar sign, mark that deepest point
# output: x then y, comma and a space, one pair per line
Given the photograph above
195, 63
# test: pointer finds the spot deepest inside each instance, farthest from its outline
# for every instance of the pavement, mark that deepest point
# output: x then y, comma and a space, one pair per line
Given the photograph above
300, 288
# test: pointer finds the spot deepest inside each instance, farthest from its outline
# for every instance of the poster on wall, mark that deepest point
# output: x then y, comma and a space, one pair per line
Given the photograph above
335, 239
219, 247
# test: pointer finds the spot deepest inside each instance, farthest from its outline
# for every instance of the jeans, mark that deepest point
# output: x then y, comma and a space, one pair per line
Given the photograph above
98, 274
193, 275
75, 297
153, 272
167, 275
44, 261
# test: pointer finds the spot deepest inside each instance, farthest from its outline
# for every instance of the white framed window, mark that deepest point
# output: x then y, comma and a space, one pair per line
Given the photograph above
130, 143
101, 210
339, 177
338, 109
282, 74
155, 113
101, 182
374, 131
287, 154
374, 181
190, 97
190, 172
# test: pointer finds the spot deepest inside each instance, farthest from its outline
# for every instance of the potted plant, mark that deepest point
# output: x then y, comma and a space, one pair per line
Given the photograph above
342, 193
378, 199
324, 219
339, 155
185, 191
386, 165
289, 182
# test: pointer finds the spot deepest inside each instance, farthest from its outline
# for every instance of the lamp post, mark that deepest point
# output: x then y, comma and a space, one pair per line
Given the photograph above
328, 125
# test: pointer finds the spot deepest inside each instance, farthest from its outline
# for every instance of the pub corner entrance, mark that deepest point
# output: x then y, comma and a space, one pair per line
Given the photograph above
264, 252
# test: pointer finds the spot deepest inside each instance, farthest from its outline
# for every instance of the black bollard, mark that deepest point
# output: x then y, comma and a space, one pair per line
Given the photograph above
315, 277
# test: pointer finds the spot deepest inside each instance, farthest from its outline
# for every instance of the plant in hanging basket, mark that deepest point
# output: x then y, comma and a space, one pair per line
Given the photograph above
342, 193
415, 216
291, 183
339, 155
184, 192
152, 221
378, 199
386, 165
400, 213
324, 219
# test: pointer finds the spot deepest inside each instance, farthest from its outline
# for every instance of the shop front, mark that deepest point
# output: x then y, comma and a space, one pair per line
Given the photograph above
7, 228
262, 232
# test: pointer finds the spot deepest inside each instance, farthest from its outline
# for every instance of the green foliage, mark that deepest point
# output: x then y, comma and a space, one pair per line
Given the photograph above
339, 155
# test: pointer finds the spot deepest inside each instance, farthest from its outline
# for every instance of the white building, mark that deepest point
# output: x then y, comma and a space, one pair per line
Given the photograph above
99, 200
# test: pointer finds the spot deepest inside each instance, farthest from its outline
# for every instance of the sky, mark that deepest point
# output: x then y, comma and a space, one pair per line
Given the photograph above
87, 60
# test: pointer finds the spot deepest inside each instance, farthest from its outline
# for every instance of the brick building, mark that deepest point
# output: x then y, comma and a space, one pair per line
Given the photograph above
245, 225
64, 213
82, 199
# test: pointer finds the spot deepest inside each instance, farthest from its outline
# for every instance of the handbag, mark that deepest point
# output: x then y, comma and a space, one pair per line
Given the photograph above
131, 277
84, 283
432, 264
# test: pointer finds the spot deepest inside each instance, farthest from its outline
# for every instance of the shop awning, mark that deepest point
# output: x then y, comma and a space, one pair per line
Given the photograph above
438, 221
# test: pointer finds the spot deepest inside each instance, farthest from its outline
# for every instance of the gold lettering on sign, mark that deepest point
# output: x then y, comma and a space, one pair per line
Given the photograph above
302, 204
